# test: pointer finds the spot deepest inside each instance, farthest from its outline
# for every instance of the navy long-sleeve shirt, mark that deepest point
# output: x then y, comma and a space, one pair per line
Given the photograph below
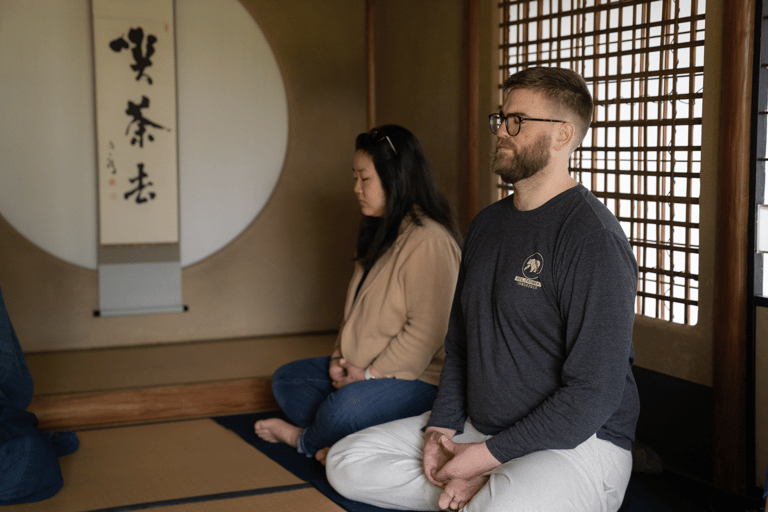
539, 345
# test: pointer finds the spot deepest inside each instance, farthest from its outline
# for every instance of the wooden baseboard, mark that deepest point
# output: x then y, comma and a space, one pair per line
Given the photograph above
79, 410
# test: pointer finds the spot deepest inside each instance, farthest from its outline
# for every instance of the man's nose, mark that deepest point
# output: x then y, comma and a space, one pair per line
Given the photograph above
502, 132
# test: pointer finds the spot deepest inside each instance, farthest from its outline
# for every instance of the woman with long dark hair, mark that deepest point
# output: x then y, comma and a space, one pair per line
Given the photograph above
389, 352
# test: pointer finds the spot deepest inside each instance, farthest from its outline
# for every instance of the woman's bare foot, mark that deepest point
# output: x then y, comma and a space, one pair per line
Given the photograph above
459, 492
321, 455
275, 430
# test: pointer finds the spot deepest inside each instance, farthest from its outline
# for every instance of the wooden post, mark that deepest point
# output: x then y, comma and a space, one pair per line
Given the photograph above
731, 258
473, 91
370, 64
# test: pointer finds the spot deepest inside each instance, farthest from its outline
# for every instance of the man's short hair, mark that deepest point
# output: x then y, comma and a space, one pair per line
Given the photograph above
563, 87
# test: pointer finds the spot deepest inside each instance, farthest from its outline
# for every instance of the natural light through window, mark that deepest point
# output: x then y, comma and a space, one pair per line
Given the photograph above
644, 62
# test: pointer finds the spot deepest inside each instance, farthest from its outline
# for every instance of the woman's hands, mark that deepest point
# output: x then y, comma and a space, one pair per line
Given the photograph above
336, 371
342, 372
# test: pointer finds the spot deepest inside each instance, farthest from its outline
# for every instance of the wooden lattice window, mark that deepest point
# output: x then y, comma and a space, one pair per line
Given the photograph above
760, 126
644, 63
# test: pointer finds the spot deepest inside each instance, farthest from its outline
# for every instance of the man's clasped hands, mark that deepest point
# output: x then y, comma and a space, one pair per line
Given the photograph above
458, 468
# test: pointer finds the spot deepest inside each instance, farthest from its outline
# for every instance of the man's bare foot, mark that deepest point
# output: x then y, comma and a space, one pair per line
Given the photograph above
275, 430
321, 455
459, 492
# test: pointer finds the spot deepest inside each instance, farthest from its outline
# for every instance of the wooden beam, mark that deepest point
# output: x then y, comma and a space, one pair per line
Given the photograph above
731, 258
370, 64
473, 102
78, 410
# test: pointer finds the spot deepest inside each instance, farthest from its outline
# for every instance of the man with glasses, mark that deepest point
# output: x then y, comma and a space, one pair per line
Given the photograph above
537, 406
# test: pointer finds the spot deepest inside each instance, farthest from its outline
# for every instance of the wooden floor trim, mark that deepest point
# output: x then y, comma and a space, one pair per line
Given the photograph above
79, 410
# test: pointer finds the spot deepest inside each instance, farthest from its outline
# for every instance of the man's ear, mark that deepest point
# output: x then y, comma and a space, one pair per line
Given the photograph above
565, 135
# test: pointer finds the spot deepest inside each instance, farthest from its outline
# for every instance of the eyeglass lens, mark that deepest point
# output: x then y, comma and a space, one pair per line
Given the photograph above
511, 121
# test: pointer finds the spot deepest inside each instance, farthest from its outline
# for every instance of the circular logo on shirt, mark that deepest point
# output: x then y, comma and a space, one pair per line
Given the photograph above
533, 266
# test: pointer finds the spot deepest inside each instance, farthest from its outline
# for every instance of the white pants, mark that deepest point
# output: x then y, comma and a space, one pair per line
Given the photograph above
382, 466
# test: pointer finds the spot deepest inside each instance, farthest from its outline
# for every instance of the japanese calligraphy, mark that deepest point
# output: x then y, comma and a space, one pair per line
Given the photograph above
136, 121
140, 122
110, 159
141, 56
140, 186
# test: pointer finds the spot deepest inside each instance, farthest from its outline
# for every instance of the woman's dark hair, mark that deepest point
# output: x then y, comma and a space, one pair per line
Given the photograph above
407, 182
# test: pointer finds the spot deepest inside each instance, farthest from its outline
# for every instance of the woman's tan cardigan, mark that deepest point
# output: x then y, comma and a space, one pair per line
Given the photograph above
400, 317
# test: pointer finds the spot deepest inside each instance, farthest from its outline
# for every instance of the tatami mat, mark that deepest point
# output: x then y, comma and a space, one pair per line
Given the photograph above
140, 464
310, 500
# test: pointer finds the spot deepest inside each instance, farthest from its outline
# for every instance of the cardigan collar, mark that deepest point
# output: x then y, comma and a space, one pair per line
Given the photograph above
406, 225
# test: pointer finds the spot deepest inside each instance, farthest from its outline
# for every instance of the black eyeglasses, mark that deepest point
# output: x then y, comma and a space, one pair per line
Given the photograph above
378, 136
516, 123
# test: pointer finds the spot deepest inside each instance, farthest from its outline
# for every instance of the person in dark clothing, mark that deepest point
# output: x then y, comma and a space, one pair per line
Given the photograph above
29, 465
537, 405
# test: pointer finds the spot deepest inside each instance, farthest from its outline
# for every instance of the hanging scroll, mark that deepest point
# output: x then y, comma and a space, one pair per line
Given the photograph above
134, 54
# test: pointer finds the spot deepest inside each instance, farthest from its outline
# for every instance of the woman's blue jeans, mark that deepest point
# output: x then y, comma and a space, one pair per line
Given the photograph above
304, 392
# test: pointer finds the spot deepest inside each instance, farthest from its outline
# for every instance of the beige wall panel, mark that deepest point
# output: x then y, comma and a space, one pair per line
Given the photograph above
761, 396
681, 351
421, 84
288, 271
169, 364
43, 294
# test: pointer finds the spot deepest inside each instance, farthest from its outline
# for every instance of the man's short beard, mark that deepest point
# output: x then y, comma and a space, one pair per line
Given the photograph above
525, 163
